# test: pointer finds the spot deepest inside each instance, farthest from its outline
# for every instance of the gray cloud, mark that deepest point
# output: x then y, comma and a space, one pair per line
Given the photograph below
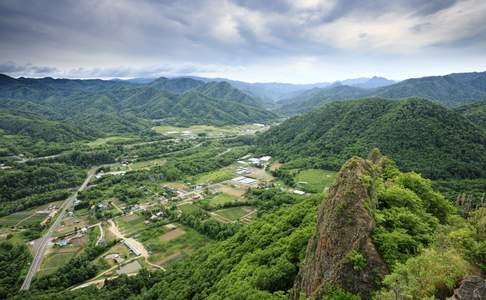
125, 38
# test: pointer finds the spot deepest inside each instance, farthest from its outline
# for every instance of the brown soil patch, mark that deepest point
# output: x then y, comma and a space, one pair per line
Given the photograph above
231, 191
172, 234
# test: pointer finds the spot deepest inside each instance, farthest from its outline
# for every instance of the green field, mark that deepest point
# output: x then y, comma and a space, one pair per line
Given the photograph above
233, 213
314, 180
189, 208
131, 224
109, 140
215, 176
57, 258
219, 199
163, 251
148, 163
210, 131
14, 218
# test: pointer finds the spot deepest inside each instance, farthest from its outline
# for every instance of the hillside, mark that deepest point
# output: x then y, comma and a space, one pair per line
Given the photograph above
313, 98
475, 112
449, 90
118, 107
420, 135
339, 245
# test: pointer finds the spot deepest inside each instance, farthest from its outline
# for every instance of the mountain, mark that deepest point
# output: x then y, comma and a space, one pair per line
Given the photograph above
337, 237
420, 135
182, 101
367, 83
310, 99
275, 91
475, 112
378, 233
216, 103
176, 86
450, 90
374, 217
47, 113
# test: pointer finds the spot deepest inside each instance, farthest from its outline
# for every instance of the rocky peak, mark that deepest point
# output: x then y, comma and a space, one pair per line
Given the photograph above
341, 253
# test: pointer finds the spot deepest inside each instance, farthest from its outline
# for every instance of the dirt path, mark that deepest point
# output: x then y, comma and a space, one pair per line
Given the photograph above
140, 247
26, 218
117, 207
102, 235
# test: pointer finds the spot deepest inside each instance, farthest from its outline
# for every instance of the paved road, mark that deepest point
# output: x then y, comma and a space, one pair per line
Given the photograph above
44, 241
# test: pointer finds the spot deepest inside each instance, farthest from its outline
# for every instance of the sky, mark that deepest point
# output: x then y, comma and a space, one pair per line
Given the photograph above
295, 41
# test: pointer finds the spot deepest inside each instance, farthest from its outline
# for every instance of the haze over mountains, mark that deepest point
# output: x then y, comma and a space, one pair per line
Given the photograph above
449, 90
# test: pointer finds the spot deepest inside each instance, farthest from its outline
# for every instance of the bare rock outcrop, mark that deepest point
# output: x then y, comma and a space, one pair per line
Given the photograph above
471, 288
344, 227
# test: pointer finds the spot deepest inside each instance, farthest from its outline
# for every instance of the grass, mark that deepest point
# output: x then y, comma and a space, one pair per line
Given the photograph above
131, 224
109, 140
222, 199
164, 251
189, 208
14, 218
216, 176
210, 131
58, 257
148, 163
314, 180
233, 213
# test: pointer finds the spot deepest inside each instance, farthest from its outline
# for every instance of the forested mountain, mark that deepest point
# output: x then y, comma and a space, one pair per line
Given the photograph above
313, 98
176, 86
84, 109
475, 112
367, 83
391, 234
449, 90
420, 135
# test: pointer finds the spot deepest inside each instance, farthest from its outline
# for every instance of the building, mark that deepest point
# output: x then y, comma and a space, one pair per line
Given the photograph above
63, 243
244, 180
132, 247
298, 192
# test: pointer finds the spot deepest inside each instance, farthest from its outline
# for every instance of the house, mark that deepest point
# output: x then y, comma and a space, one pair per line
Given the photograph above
63, 243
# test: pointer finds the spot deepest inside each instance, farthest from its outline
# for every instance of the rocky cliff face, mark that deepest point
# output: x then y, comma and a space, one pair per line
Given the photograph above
341, 253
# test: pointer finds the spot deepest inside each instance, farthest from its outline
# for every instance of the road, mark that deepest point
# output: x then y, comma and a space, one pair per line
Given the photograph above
44, 241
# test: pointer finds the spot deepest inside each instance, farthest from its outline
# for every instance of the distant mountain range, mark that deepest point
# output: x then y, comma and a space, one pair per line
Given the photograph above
421, 135
63, 110
273, 91
450, 90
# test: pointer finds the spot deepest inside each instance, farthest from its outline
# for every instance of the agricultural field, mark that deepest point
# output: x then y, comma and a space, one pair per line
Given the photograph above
167, 244
236, 213
188, 208
57, 256
215, 176
110, 140
219, 199
314, 180
144, 164
27, 217
131, 224
209, 131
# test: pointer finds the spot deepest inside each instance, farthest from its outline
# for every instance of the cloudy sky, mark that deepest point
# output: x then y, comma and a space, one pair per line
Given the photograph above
300, 41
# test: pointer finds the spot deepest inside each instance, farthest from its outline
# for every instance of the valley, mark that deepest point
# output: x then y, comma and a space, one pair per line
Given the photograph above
179, 204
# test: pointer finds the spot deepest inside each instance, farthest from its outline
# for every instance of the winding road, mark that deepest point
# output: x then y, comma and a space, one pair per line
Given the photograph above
40, 250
